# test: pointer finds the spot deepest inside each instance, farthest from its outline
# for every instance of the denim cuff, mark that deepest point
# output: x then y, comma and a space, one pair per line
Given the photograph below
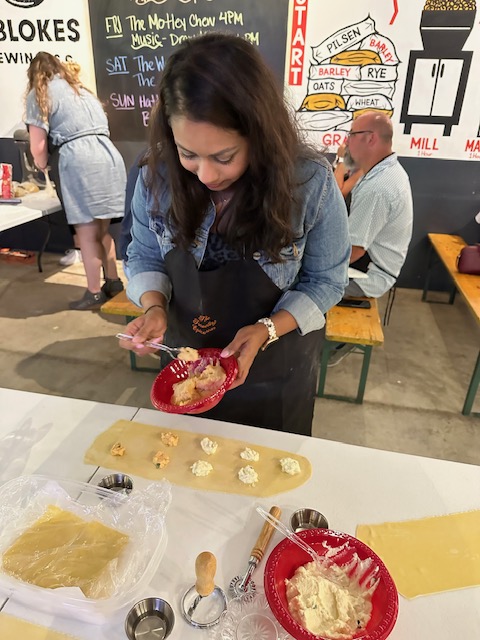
306, 313
148, 281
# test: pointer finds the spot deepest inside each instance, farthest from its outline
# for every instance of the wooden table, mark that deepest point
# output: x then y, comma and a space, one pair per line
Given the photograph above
447, 247
349, 484
35, 206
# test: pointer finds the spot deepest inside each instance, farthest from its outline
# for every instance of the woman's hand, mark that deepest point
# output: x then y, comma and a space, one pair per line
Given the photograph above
150, 326
245, 346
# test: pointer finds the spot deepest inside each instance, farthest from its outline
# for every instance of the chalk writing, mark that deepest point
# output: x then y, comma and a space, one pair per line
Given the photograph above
230, 17
117, 65
133, 39
113, 27
122, 102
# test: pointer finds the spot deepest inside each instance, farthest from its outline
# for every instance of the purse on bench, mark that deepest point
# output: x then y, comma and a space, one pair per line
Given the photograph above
468, 260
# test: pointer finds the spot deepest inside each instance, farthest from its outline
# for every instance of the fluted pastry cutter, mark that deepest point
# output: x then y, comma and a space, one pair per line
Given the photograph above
240, 585
204, 603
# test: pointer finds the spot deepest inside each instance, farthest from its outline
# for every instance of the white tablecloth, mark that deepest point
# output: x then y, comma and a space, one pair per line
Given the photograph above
349, 484
32, 207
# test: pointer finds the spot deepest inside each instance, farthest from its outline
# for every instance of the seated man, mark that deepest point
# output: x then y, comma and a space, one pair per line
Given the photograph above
381, 211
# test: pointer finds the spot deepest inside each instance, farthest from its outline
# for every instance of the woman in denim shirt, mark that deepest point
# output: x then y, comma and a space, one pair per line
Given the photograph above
239, 233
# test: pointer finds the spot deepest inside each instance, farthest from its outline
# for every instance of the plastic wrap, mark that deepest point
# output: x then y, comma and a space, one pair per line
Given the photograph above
110, 544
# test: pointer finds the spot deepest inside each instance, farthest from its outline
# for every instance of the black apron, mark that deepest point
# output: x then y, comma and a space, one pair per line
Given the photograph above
209, 307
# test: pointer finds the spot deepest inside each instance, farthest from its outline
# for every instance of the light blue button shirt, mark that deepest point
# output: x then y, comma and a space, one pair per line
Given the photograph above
381, 221
313, 273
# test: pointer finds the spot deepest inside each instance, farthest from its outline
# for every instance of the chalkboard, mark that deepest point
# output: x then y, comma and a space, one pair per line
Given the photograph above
132, 39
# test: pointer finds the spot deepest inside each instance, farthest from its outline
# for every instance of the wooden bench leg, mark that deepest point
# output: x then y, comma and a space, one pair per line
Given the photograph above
44, 243
432, 259
367, 354
327, 348
133, 356
429, 273
472, 389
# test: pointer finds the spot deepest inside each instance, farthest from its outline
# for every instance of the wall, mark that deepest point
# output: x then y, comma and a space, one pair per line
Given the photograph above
437, 137
420, 65
29, 26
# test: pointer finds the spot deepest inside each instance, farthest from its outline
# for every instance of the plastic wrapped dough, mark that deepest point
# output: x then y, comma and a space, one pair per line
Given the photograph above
61, 549
78, 549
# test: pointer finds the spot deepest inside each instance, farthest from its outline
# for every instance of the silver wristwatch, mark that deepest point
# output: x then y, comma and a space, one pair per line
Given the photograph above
272, 332
338, 160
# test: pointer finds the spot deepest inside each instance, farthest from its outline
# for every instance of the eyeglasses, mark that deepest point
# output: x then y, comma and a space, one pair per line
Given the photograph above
356, 133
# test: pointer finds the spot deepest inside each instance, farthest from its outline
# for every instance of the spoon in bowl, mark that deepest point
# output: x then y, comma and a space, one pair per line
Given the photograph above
322, 562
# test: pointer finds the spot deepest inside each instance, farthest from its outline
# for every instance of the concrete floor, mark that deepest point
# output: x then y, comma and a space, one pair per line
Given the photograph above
415, 390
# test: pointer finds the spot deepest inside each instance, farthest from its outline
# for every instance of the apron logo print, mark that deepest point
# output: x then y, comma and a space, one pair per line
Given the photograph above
204, 325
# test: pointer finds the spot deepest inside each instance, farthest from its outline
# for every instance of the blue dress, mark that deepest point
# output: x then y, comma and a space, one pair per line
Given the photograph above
92, 171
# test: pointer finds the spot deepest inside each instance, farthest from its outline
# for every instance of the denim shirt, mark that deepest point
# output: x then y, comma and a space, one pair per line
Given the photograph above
313, 273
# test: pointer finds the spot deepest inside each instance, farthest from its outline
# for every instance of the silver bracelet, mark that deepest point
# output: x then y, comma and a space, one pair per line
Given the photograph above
272, 332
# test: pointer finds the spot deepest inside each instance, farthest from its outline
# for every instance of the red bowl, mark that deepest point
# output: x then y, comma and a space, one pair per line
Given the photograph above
178, 370
287, 557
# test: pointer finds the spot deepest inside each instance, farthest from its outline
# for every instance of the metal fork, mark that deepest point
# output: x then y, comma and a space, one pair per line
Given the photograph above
172, 351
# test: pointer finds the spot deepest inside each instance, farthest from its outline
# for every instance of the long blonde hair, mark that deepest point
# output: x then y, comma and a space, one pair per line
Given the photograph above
43, 68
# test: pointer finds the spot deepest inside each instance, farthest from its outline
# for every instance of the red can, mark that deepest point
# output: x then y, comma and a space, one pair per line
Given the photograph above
6, 175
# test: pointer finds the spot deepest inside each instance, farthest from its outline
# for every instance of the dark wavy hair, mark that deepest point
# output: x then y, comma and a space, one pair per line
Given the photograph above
223, 80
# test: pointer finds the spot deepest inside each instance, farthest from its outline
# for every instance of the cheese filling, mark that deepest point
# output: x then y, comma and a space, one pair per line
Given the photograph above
326, 609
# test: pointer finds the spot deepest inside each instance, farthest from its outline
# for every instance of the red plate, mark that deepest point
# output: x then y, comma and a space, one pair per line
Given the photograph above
287, 557
177, 370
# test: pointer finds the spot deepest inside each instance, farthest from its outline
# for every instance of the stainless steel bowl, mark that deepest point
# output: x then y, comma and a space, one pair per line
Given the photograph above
303, 519
150, 619
117, 482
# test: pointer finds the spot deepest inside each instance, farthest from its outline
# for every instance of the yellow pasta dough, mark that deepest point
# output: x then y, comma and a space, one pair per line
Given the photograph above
143, 442
12, 628
429, 555
62, 550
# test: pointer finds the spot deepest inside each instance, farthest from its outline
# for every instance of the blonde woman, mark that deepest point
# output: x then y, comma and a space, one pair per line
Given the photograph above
64, 116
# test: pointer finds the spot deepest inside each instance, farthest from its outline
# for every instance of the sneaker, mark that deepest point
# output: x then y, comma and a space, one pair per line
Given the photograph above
340, 352
72, 256
90, 301
112, 287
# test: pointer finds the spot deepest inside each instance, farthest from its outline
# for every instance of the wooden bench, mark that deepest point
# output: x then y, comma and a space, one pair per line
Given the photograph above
446, 247
120, 305
361, 327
